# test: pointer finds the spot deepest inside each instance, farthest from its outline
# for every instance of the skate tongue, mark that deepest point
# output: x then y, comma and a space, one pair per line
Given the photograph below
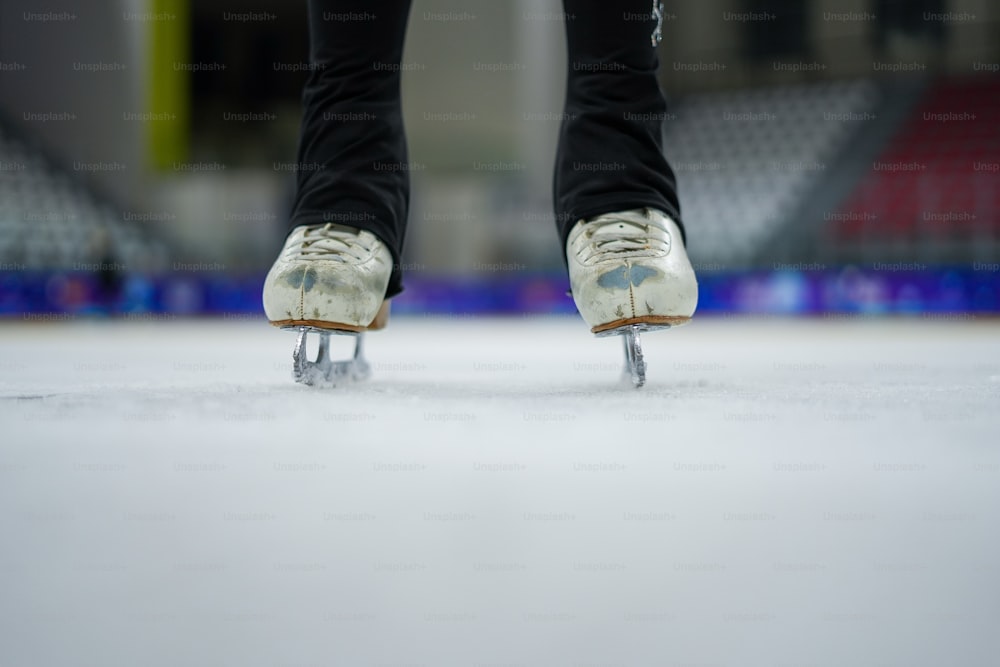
625, 232
332, 242
634, 218
337, 228
617, 236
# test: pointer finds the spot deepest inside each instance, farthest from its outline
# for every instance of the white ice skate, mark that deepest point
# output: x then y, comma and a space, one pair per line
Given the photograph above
629, 273
329, 279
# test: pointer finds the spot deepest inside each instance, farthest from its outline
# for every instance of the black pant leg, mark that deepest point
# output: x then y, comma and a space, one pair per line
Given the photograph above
610, 155
352, 152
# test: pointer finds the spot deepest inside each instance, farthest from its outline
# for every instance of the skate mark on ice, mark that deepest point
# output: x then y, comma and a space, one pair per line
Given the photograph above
27, 397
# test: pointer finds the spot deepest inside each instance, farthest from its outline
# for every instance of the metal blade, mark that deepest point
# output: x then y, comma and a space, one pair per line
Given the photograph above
324, 371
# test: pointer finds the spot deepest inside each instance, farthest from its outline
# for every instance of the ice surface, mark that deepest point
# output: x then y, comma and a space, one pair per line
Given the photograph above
780, 493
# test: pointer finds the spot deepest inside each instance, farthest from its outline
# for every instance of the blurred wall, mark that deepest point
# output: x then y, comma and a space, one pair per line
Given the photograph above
72, 71
483, 87
703, 43
483, 104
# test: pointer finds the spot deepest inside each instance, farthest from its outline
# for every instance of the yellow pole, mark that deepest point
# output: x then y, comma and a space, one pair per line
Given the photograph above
168, 82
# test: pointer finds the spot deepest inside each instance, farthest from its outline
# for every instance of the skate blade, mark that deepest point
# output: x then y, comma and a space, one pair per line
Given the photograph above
634, 369
324, 371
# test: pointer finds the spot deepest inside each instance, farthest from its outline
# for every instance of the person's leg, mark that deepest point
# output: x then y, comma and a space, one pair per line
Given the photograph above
610, 154
352, 151
615, 195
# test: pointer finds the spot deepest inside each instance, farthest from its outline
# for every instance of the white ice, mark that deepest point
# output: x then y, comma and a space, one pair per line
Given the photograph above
782, 492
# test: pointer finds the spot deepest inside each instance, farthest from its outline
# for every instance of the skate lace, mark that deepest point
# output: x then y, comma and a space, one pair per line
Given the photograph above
330, 242
624, 235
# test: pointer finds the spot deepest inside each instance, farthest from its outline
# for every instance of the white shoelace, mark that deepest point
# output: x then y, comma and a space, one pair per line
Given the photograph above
329, 242
624, 235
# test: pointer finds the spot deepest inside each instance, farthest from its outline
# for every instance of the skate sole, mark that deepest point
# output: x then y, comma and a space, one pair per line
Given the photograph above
657, 321
380, 321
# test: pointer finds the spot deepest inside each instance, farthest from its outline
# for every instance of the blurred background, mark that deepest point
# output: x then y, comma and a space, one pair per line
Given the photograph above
833, 156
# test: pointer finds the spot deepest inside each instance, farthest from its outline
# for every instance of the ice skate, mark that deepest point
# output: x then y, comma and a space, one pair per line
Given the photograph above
629, 273
329, 279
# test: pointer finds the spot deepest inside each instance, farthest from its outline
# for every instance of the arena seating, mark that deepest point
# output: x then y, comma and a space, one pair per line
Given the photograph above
744, 159
51, 221
937, 181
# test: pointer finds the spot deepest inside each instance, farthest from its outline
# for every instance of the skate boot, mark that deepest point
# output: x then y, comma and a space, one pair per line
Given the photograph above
629, 273
329, 279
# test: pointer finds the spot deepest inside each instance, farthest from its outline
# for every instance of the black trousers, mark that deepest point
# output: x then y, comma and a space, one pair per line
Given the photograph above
352, 152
